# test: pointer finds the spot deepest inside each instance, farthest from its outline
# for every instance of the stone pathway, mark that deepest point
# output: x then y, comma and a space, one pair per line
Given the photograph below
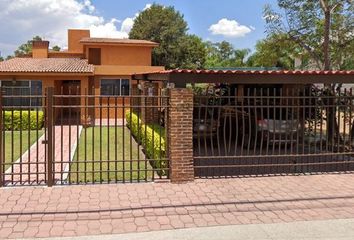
33, 165
123, 208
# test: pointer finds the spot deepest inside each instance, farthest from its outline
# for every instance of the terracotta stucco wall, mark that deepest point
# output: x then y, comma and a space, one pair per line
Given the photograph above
74, 37
124, 55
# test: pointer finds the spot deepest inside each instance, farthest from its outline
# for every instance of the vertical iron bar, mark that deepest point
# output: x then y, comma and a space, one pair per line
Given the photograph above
50, 136
87, 123
108, 140
78, 118
93, 136
29, 143
61, 134
123, 140
37, 134
2, 149
100, 160
116, 138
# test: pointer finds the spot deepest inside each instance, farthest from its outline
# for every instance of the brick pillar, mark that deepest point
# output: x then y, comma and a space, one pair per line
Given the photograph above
150, 113
180, 135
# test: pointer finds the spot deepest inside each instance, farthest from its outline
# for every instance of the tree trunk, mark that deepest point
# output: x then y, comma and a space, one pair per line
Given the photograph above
332, 125
327, 27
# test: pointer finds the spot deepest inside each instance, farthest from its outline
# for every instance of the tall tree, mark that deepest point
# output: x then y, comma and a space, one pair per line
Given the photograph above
26, 48
56, 48
322, 28
192, 52
240, 56
223, 54
276, 51
165, 26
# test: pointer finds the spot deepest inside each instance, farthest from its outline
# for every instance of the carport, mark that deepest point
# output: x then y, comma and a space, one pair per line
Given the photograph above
268, 122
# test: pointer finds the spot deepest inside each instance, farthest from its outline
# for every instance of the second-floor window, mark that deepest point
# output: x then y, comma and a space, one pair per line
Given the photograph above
94, 56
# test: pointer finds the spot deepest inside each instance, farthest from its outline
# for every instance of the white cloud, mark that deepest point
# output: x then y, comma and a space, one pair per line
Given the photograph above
229, 28
50, 19
147, 6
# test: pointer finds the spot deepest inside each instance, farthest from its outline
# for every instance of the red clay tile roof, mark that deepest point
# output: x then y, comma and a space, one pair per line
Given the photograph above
118, 41
259, 72
46, 65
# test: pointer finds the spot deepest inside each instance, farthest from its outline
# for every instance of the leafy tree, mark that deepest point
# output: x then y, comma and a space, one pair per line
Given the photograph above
223, 54
323, 29
240, 57
164, 25
192, 52
1, 59
56, 48
275, 51
26, 48
225, 50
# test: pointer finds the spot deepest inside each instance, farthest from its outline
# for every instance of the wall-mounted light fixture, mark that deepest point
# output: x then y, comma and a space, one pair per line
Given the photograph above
170, 85
150, 91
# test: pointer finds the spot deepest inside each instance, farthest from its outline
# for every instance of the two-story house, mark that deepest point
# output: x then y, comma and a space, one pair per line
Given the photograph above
95, 66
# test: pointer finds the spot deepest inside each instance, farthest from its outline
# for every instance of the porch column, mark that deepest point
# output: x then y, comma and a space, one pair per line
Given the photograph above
85, 117
180, 135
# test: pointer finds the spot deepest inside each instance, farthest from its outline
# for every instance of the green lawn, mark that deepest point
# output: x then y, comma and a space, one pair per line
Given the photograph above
13, 142
108, 144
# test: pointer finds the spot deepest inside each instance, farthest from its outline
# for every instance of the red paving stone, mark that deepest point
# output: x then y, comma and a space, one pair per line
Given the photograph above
33, 161
106, 209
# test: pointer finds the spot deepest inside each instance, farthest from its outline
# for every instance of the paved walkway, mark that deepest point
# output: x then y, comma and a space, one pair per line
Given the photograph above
32, 163
342, 229
123, 208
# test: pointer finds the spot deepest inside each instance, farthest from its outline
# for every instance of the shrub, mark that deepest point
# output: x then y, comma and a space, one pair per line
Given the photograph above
152, 138
23, 120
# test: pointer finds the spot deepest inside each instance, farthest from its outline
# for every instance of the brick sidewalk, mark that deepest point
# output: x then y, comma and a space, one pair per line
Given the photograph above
105, 209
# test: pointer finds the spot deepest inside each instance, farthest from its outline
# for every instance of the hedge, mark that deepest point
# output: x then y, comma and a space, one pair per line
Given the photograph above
153, 141
19, 120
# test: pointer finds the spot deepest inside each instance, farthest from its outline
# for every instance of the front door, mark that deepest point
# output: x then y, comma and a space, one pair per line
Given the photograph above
71, 89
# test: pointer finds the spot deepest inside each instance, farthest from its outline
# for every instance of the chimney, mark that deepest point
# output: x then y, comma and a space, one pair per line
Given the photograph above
74, 37
40, 49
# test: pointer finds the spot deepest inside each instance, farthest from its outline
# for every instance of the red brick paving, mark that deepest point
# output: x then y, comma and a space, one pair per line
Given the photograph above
105, 209
33, 161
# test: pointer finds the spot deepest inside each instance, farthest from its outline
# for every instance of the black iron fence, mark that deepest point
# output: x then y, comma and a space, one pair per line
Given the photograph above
273, 130
77, 138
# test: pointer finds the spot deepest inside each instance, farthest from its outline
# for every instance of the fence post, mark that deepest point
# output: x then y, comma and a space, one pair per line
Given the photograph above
50, 146
180, 131
2, 160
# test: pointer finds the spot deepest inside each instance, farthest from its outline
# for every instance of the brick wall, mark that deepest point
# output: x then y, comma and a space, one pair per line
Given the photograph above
150, 113
180, 129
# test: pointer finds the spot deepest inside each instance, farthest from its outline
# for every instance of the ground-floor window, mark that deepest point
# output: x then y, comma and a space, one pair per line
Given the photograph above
27, 89
115, 87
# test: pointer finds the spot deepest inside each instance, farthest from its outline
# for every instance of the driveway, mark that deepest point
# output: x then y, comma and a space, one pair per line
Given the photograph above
125, 208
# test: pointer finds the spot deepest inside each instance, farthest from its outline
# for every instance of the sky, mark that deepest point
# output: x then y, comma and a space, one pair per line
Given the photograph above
237, 21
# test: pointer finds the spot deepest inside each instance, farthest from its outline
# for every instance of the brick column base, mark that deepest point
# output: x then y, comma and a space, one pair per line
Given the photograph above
180, 132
